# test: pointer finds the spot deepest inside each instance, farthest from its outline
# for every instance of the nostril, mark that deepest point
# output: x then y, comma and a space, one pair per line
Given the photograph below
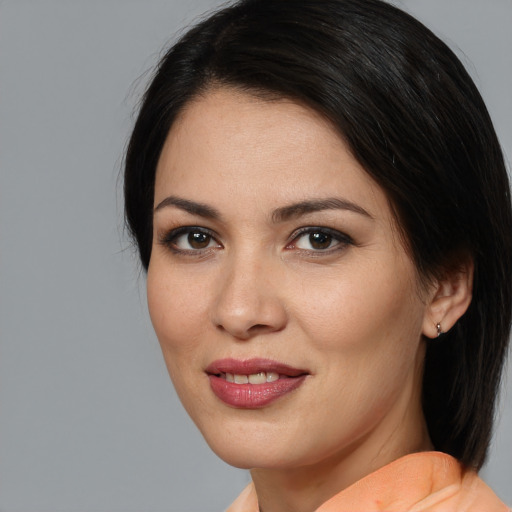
258, 327
262, 328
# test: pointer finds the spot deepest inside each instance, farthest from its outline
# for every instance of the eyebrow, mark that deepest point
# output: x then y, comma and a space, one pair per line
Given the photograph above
192, 207
279, 215
304, 207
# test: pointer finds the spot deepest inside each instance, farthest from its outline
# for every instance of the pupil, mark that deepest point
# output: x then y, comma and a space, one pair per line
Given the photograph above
320, 240
198, 240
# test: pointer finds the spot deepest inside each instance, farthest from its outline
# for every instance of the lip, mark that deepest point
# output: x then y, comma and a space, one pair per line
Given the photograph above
253, 396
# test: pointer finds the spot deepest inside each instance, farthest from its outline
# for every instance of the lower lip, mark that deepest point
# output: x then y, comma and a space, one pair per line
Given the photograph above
253, 396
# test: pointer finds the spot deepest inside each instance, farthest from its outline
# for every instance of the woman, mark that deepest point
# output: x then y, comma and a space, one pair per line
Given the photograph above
321, 204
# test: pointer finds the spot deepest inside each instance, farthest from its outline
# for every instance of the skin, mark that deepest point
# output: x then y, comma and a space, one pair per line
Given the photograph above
352, 314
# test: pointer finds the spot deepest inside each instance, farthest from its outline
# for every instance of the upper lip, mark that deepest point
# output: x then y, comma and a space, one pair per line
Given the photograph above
252, 366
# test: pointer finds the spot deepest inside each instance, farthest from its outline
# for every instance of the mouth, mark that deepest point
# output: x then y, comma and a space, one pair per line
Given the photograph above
253, 383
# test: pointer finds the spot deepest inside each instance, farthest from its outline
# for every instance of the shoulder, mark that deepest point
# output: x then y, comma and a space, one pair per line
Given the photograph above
476, 495
247, 501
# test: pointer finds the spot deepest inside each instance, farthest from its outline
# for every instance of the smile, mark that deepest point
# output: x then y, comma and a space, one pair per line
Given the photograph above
254, 383
253, 378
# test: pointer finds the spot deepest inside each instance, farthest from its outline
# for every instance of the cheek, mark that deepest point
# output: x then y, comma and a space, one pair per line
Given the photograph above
366, 330
178, 312
376, 311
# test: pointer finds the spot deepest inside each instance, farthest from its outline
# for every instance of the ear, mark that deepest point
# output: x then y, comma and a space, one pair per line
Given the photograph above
449, 299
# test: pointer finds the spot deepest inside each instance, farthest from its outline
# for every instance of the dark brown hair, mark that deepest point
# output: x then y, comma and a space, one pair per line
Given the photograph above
415, 121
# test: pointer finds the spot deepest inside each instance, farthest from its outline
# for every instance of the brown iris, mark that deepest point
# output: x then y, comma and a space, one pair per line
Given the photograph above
320, 240
199, 240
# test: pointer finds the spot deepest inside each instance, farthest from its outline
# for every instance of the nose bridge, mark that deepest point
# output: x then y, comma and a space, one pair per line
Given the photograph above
248, 301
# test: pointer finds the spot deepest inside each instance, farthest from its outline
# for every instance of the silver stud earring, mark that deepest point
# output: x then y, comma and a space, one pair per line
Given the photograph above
439, 330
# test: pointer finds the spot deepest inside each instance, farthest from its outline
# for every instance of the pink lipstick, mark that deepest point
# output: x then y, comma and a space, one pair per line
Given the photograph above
252, 383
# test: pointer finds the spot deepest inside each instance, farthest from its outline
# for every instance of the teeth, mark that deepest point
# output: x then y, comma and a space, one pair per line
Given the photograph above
255, 378
272, 376
258, 378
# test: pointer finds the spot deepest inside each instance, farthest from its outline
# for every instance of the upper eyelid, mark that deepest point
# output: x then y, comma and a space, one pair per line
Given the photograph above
187, 229
168, 235
295, 232
336, 233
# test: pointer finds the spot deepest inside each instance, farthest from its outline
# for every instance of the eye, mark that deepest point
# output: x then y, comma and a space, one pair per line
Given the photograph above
189, 239
319, 239
195, 240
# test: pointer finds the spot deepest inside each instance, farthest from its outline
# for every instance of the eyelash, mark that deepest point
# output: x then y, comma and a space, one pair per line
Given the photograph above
170, 238
340, 240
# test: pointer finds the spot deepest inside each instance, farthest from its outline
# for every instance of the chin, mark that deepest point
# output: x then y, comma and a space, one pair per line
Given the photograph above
251, 459
248, 450
243, 460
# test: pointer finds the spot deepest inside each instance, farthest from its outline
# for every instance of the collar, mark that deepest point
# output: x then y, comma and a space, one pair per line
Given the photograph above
419, 482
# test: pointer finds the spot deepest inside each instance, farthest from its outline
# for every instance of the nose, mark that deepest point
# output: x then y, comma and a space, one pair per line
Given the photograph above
248, 302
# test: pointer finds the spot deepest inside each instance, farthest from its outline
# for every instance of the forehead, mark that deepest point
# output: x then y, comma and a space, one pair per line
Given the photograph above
225, 120
233, 139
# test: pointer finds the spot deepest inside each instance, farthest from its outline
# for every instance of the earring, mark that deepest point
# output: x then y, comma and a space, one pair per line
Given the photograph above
439, 331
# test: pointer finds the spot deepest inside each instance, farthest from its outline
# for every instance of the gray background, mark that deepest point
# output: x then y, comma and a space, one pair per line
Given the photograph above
89, 421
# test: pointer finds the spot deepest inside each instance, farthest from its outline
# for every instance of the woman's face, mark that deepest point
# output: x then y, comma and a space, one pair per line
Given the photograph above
287, 309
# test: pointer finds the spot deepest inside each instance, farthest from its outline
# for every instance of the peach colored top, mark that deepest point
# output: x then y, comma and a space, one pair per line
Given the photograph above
420, 482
